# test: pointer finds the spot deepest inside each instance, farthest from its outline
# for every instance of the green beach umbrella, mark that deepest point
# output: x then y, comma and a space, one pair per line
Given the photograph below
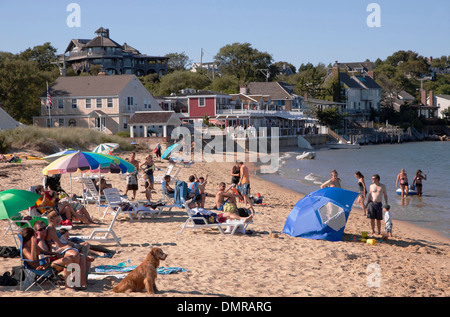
13, 201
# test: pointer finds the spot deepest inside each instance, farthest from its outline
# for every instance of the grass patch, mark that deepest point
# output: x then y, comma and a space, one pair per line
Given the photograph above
51, 140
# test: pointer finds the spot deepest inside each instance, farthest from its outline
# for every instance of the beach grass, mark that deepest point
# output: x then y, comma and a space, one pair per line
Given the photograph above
50, 140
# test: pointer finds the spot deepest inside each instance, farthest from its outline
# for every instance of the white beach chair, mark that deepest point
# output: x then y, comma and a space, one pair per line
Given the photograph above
160, 177
103, 235
200, 222
90, 193
117, 204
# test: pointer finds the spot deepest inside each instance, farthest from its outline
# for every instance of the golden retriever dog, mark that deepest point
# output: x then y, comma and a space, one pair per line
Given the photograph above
144, 276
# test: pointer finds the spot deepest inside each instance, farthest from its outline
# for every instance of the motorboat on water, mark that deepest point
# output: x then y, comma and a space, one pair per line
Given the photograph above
306, 156
343, 145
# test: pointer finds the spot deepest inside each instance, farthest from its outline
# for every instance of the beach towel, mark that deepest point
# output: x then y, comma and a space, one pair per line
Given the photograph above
119, 269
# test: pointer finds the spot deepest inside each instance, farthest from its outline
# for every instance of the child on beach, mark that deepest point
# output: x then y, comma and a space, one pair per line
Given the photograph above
387, 219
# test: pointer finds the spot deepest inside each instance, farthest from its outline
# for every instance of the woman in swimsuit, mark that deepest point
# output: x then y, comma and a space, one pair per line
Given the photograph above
417, 183
148, 167
335, 181
362, 190
402, 178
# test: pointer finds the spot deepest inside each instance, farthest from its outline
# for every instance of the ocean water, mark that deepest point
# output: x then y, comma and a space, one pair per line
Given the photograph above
431, 211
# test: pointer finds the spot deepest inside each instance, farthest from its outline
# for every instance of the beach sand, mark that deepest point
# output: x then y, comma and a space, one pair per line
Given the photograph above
415, 262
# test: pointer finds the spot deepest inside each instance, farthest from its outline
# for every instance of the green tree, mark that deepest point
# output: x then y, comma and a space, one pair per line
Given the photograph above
245, 62
44, 55
178, 80
177, 61
330, 117
22, 83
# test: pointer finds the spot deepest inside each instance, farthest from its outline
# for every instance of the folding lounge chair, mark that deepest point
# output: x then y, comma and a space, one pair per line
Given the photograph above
90, 193
117, 204
102, 235
32, 277
165, 196
194, 222
160, 177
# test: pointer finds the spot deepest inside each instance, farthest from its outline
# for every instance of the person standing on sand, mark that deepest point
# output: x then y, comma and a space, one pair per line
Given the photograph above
362, 190
244, 182
132, 181
374, 202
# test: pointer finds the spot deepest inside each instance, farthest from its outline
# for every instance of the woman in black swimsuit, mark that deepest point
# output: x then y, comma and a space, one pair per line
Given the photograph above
362, 190
417, 183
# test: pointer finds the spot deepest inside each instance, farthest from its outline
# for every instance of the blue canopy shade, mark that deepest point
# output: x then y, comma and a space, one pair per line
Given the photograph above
321, 214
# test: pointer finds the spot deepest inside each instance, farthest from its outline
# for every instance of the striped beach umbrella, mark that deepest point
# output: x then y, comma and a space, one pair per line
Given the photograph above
55, 156
80, 162
105, 148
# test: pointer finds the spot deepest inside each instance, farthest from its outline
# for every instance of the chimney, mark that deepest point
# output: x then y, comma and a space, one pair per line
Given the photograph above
306, 95
243, 89
371, 73
431, 98
335, 69
423, 96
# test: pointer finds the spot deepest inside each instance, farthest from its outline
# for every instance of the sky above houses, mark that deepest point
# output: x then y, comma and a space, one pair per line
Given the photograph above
294, 31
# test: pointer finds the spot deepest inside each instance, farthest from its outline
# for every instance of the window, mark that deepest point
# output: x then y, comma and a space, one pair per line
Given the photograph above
110, 103
88, 103
72, 123
60, 103
99, 102
130, 101
61, 122
201, 102
74, 103
147, 104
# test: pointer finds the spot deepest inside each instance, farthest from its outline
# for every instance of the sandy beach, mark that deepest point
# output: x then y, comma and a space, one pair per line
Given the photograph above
414, 263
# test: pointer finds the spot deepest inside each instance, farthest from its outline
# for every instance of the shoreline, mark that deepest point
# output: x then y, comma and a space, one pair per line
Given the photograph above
253, 168
257, 264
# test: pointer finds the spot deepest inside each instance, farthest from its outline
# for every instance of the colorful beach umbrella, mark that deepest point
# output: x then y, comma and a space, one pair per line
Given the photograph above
105, 148
55, 156
13, 201
122, 166
166, 154
80, 161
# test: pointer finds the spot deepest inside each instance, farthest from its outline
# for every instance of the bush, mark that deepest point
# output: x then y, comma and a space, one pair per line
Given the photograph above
47, 140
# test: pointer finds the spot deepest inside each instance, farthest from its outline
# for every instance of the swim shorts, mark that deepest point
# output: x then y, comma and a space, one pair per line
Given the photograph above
374, 210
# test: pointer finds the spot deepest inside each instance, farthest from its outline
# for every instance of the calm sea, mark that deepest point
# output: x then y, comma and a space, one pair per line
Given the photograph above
432, 210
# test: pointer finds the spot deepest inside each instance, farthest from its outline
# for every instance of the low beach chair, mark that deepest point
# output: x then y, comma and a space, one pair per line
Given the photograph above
90, 193
103, 235
195, 222
160, 177
32, 277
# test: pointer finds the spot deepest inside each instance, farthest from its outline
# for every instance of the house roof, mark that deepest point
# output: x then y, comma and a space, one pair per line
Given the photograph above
444, 96
358, 81
155, 118
276, 90
79, 86
101, 41
356, 66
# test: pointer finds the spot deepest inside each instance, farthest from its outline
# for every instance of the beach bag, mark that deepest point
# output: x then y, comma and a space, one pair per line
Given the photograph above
210, 217
229, 208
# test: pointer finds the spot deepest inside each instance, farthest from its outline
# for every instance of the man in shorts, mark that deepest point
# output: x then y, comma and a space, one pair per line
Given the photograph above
244, 183
374, 203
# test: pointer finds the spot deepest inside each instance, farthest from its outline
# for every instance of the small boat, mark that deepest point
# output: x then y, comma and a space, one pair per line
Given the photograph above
306, 155
343, 145
411, 192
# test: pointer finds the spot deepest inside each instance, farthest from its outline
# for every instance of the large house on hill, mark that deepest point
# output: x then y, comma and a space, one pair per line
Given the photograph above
114, 59
104, 103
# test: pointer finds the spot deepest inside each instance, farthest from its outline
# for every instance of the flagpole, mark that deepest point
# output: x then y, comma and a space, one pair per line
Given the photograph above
49, 108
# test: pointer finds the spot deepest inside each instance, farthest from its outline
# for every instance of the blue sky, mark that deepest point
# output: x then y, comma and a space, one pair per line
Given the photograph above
295, 31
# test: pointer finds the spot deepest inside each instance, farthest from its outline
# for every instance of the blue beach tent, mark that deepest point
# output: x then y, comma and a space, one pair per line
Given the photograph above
321, 214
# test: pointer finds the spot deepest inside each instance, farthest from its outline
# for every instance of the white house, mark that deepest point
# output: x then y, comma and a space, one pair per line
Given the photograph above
104, 103
442, 102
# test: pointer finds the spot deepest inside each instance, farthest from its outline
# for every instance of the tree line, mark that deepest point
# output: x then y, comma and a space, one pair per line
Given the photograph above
23, 76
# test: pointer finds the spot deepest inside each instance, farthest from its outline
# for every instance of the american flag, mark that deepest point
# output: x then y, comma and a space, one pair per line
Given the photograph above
49, 100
